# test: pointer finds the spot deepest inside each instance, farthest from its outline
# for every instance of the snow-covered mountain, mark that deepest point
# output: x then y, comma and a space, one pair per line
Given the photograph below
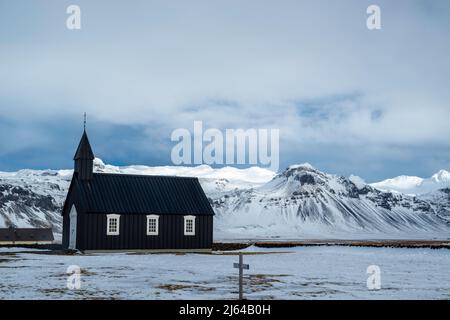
35, 197
304, 202
214, 181
415, 185
300, 202
440, 201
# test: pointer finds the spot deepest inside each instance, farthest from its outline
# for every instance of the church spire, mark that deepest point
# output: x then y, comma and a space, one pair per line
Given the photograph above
84, 157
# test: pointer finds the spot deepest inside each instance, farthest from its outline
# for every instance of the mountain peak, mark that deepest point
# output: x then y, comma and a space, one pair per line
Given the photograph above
299, 170
305, 165
441, 176
357, 181
415, 185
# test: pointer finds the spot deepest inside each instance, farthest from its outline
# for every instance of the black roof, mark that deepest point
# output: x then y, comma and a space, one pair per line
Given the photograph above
84, 150
26, 234
128, 193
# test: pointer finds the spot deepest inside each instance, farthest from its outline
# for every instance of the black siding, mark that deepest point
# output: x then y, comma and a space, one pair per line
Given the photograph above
92, 231
84, 169
65, 233
133, 198
26, 234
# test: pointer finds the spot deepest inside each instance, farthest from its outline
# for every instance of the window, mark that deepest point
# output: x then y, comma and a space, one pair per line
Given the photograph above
189, 225
152, 225
112, 224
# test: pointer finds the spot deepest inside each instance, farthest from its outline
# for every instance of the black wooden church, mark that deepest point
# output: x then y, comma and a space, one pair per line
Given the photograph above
109, 211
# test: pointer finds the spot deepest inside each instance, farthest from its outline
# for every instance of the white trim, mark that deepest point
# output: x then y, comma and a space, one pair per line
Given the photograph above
190, 232
149, 217
73, 228
110, 217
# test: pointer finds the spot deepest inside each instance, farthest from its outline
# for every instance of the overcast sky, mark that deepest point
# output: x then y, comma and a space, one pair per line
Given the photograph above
346, 99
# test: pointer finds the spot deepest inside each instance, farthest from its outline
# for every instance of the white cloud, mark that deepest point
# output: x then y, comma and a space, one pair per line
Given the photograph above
175, 62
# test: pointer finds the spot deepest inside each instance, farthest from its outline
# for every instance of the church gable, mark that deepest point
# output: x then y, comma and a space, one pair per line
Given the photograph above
128, 212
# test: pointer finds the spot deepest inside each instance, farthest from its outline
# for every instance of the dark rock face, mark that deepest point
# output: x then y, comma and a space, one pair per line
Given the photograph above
28, 198
352, 190
385, 200
306, 179
365, 190
21, 202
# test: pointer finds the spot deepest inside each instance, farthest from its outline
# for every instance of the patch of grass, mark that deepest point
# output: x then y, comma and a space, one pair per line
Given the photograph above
7, 253
258, 282
13, 267
53, 290
81, 294
315, 294
175, 287
83, 272
224, 253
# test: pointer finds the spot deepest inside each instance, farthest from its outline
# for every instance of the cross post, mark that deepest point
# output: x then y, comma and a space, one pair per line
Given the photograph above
241, 266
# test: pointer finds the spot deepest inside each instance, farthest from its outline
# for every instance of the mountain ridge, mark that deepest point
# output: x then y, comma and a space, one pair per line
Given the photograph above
299, 202
415, 185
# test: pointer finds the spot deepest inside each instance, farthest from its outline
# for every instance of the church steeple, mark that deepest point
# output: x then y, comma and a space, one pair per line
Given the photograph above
84, 157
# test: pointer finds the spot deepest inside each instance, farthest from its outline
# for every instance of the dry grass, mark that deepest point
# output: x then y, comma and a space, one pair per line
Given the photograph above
225, 253
257, 282
175, 287
432, 244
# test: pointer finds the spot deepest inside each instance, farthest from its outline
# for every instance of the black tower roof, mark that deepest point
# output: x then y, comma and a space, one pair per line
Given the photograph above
84, 151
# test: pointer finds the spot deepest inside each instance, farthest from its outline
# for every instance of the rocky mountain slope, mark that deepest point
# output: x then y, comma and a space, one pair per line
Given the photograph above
304, 202
33, 198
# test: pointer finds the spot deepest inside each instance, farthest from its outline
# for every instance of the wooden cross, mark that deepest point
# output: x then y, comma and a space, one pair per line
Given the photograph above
241, 266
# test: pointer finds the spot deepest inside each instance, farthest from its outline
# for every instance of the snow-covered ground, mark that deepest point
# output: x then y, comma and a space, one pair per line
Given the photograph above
285, 273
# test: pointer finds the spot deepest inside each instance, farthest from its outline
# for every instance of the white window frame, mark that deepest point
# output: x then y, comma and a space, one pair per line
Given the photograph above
186, 219
152, 217
110, 217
